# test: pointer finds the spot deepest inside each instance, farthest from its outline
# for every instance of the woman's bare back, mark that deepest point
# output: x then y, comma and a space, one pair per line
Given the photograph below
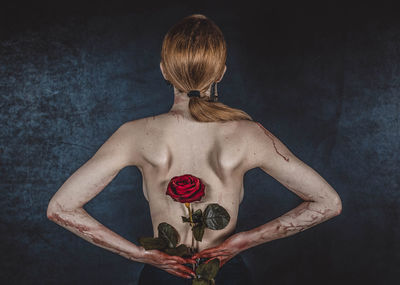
219, 153
173, 146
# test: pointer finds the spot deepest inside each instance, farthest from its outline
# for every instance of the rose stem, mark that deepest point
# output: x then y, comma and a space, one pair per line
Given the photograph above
191, 224
190, 214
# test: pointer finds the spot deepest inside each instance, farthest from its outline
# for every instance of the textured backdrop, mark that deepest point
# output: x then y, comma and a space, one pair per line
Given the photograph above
324, 78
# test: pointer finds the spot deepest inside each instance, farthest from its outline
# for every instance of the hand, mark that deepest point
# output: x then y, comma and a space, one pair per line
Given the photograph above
226, 250
169, 263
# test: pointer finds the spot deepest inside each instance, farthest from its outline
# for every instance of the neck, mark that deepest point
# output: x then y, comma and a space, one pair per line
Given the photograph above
181, 102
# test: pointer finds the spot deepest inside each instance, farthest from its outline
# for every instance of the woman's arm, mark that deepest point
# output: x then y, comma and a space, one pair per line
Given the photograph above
66, 206
321, 201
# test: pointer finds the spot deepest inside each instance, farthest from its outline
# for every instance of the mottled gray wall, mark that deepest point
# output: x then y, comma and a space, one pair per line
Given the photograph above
323, 78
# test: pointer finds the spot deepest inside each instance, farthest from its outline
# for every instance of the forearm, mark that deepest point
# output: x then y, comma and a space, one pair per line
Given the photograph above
82, 224
304, 216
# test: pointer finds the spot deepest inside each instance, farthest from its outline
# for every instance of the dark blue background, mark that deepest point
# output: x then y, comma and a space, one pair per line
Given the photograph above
323, 77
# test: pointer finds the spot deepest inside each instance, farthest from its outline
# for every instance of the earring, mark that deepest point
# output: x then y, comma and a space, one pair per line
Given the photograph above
214, 92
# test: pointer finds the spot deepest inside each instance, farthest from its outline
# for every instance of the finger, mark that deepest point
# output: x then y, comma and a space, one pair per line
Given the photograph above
178, 273
208, 254
188, 260
219, 252
185, 269
177, 259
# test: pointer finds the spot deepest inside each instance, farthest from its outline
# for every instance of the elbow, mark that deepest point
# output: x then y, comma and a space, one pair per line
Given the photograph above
57, 213
337, 211
337, 206
52, 210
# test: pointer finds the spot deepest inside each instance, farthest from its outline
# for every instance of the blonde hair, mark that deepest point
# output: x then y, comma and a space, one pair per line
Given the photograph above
193, 57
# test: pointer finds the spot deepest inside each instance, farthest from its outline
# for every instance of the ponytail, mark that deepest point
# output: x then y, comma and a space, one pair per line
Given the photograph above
204, 111
193, 57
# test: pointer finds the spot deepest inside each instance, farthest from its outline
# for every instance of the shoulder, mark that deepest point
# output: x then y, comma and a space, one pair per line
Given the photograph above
251, 132
254, 132
128, 130
131, 136
141, 124
245, 125
261, 145
142, 130
138, 130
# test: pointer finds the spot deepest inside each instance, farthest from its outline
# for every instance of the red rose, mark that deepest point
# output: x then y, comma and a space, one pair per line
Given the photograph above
185, 188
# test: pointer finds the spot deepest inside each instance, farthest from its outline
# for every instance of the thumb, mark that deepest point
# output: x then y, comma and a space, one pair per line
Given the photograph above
188, 260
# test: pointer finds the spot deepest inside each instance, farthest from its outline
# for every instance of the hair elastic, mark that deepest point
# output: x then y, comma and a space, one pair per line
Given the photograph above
194, 93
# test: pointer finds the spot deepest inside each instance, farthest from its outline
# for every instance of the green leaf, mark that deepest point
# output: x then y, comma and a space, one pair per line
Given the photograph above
197, 216
152, 243
169, 234
180, 250
216, 217
208, 270
198, 231
185, 219
199, 281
